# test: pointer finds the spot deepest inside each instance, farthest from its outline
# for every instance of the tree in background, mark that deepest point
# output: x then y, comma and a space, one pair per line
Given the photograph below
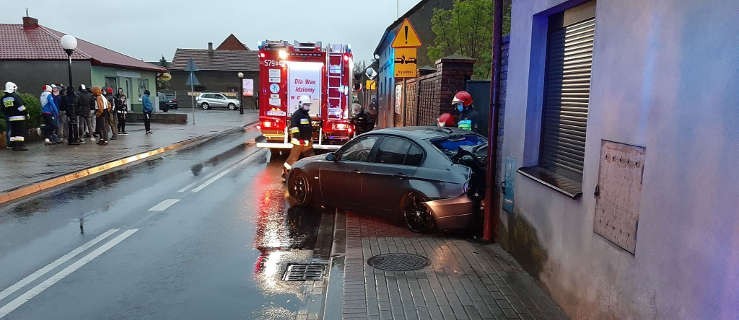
163, 78
467, 29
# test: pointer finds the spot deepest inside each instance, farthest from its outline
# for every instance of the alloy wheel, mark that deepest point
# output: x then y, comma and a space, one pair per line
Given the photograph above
299, 188
416, 214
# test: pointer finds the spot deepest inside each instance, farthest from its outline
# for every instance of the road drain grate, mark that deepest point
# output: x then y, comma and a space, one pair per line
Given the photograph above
303, 272
398, 262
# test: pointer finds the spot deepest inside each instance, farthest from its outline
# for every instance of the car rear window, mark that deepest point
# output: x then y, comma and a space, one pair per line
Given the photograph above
450, 145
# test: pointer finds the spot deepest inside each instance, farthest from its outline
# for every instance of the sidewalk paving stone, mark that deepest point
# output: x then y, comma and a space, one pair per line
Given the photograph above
465, 280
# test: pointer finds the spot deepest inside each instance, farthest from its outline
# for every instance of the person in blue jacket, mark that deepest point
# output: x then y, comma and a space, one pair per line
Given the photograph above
148, 109
50, 114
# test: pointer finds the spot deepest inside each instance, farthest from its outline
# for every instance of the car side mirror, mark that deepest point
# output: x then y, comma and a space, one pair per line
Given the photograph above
331, 157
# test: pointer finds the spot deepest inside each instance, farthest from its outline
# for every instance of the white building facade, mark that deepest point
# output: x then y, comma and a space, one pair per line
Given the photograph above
621, 147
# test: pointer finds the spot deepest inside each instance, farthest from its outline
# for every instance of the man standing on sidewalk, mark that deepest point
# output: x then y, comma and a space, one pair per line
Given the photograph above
101, 112
56, 94
50, 114
17, 114
121, 109
148, 109
73, 129
84, 103
111, 119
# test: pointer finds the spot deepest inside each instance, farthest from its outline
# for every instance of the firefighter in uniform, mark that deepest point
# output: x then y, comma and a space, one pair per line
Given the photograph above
301, 133
467, 116
17, 115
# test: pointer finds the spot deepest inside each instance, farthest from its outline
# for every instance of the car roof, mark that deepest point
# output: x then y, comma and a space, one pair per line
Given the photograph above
423, 132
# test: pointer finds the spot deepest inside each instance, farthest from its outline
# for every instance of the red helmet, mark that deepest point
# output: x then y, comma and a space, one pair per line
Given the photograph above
463, 97
446, 120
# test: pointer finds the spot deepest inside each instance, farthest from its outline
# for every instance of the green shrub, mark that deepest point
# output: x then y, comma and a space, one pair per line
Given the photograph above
33, 106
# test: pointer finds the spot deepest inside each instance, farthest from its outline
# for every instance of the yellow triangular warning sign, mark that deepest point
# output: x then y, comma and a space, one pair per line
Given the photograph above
406, 36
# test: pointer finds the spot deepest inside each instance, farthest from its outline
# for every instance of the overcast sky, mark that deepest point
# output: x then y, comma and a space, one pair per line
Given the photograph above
150, 29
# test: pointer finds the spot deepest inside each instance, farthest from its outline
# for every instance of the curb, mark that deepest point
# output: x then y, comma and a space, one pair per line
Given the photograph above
36, 187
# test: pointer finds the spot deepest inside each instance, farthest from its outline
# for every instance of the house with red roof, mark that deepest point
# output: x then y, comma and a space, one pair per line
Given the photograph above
32, 56
217, 70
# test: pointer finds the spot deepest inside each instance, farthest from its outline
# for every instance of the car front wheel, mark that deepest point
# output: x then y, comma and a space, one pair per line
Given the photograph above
299, 188
417, 216
231, 106
204, 106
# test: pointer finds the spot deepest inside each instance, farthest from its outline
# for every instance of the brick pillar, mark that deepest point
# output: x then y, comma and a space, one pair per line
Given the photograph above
454, 71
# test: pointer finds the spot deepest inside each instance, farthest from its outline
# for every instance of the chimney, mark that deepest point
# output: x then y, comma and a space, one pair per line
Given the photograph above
210, 46
30, 23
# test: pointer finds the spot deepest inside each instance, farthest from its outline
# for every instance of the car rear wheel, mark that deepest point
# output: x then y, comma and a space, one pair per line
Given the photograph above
231, 106
204, 106
416, 215
299, 188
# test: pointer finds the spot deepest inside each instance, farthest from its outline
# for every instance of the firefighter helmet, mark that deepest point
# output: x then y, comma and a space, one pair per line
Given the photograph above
463, 97
10, 87
303, 100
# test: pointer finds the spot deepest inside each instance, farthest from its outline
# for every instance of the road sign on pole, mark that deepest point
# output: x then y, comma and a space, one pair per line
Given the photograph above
405, 44
405, 63
192, 81
406, 36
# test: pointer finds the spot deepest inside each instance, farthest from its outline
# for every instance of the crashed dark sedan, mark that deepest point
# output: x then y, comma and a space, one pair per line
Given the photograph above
430, 177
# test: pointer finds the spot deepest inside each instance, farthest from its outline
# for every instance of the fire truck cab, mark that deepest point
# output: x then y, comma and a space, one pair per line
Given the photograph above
288, 71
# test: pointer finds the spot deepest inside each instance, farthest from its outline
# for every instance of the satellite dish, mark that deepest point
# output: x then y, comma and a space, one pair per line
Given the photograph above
370, 73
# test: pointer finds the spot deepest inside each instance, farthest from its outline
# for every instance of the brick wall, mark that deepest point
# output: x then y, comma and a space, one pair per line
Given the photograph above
428, 96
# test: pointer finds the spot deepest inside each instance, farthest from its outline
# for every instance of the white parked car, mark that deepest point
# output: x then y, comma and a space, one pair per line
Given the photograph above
208, 100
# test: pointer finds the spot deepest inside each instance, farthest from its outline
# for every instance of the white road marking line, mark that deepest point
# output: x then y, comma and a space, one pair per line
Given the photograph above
59, 261
215, 175
211, 180
28, 295
166, 203
210, 175
188, 186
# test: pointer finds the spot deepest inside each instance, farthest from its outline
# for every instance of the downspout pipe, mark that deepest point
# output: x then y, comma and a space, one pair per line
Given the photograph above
492, 196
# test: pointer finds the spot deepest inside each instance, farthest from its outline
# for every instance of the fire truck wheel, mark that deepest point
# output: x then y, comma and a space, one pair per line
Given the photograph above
204, 106
299, 188
231, 106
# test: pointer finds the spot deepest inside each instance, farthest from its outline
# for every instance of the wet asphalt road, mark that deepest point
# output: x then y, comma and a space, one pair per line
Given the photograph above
202, 233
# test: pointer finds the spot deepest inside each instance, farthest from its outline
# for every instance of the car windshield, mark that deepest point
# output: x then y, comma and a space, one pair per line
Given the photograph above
450, 145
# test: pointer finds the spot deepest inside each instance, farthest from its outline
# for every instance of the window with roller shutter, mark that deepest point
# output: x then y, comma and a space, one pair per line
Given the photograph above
569, 57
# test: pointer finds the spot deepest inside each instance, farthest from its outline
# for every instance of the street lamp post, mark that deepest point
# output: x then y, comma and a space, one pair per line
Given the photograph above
241, 92
69, 43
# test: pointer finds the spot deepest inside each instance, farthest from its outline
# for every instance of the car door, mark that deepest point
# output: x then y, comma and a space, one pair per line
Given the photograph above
207, 98
341, 180
387, 177
220, 100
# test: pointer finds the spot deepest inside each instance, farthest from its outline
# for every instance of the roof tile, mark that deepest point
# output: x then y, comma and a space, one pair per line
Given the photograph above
42, 43
217, 60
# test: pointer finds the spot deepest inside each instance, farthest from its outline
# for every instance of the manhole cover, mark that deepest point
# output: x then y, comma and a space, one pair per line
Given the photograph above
303, 272
398, 262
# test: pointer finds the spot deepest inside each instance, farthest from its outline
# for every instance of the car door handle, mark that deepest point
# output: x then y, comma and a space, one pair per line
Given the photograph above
401, 175
356, 171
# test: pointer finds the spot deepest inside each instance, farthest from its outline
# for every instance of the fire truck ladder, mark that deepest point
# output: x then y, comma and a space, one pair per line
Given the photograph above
335, 85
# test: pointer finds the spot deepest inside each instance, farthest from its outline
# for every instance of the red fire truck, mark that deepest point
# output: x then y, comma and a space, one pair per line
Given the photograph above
288, 71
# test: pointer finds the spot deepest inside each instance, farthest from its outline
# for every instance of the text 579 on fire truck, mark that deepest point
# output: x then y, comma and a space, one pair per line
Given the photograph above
288, 71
